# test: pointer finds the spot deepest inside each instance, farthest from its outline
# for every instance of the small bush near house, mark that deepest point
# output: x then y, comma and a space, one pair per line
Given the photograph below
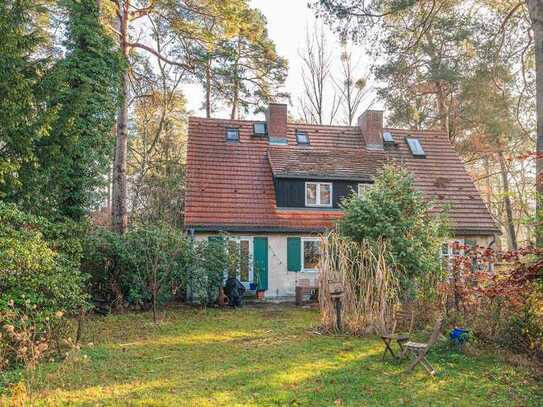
40, 284
392, 211
210, 261
153, 256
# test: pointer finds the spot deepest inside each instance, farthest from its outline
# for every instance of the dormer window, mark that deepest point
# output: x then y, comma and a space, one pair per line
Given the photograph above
260, 129
318, 194
415, 147
302, 137
232, 134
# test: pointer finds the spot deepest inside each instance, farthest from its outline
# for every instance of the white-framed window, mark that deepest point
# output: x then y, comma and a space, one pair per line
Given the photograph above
362, 189
244, 270
311, 254
318, 194
449, 249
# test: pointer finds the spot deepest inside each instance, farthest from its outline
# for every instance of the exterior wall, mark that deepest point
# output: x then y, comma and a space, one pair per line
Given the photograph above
282, 283
483, 241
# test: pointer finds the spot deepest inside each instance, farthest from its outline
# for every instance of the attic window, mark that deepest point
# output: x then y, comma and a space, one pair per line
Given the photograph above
302, 137
232, 134
260, 129
415, 147
387, 137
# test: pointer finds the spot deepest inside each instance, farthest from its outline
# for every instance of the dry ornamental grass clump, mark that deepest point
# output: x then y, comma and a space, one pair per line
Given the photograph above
370, 289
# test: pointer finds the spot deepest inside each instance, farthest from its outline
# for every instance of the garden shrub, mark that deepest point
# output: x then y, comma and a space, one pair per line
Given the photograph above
103, 256
153, 256
393, 211
205, 273
498, 297
40, 284
153, 264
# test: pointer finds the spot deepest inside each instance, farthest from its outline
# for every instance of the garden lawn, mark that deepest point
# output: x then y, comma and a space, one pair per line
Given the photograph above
261, 356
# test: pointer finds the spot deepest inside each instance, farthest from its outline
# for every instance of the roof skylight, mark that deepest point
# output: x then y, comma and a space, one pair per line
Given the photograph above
302, 137
415, 147
260, 129
232, 134
278, 141
387, 137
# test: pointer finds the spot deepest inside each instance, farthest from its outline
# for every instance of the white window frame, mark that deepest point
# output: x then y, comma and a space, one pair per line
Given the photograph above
362, 189
450, 250
249, 239
303, 240
318, 194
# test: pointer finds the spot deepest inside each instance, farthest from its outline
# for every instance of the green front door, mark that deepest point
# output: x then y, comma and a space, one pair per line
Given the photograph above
260, 261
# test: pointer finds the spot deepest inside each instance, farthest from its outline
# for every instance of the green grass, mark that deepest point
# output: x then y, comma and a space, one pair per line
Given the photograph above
262, 357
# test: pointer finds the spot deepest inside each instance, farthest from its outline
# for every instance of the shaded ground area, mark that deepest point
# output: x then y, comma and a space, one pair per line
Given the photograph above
262, 357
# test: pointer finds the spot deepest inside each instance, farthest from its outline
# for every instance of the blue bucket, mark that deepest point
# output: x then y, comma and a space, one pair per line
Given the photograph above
459, 336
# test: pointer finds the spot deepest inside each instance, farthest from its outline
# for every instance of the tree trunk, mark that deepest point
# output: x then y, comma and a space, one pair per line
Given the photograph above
154, 306
509, 223
535, 8
208, 88
442, 109
119, 211
235, 98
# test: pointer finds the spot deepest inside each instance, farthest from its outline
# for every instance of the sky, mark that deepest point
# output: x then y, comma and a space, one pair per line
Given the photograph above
287, 23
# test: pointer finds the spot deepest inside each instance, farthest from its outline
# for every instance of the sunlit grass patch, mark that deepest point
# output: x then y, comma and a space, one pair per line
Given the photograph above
261, 357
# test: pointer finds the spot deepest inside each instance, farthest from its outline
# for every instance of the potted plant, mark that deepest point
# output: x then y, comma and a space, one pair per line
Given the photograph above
259, 291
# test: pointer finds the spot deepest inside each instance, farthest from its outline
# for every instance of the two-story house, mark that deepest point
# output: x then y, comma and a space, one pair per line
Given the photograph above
275, 186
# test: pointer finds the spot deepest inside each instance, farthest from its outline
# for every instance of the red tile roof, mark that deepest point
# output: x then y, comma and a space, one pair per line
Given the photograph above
231, 186
334, 163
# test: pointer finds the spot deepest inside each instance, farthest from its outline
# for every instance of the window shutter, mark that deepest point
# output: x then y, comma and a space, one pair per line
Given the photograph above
294, 248
471, 243
260, 259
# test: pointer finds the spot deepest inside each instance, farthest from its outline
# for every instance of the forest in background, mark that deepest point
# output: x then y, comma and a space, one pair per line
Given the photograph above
95, 119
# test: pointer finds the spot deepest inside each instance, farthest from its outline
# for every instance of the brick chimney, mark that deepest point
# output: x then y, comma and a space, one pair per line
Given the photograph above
371, 126
276, 119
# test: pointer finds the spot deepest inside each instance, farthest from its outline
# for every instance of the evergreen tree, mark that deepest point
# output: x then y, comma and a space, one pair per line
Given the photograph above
58, 117
78, 151
22, 118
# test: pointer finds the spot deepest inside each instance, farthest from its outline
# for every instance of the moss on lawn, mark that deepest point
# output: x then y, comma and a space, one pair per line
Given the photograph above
262, 357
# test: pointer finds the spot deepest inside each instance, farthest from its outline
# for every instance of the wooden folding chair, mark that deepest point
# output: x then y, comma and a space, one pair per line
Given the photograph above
420, 350
404, 319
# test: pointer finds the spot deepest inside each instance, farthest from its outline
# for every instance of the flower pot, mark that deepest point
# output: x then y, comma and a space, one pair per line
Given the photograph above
260, 294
